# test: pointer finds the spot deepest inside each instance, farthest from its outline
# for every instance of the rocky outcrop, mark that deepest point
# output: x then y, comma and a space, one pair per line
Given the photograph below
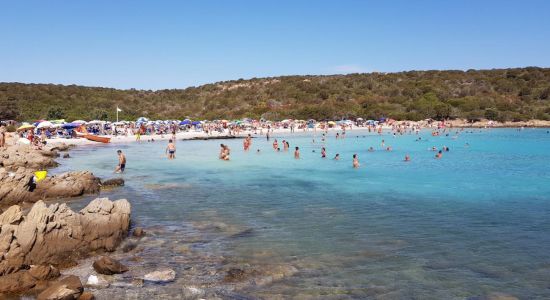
59, 236
19, 186
15, 157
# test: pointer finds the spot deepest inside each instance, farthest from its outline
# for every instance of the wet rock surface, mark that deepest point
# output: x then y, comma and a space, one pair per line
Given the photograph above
66, 289
113, 182
108, 266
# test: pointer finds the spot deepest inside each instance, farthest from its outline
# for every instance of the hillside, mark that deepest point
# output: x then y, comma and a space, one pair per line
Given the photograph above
504, 94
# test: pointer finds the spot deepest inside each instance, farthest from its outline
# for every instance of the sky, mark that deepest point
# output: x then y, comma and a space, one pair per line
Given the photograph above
177, 44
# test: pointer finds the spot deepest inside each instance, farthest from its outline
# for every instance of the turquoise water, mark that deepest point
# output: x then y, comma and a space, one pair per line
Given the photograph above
474, 222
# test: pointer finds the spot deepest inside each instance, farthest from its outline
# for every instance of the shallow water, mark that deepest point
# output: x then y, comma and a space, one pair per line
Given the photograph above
474, 222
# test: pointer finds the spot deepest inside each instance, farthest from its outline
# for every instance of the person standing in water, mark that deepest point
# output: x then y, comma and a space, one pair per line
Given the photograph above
337, 156
297, 153
121, 162
323, 152
355, 161
171, 150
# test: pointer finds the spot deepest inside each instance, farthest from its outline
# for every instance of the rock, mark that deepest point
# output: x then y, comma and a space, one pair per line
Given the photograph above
67, 288
19, 186
113, 182
138, 232
191, 292
59, 236
234, 274
86, 296
97, 282
66, 155
499, 296
159, 276
108, 266
61, 147
14, 157
16, 283
128, 246
44, 272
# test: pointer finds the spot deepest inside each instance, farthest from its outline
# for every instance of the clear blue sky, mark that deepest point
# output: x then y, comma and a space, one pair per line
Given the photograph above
176, 44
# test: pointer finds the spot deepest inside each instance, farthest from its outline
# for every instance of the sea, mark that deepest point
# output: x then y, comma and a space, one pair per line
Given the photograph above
473, 224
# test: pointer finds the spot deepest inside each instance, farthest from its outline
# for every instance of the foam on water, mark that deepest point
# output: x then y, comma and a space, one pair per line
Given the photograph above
473, 222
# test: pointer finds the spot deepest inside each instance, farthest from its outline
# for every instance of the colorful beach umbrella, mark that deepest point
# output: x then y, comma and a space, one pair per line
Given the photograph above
25, 127
44, 124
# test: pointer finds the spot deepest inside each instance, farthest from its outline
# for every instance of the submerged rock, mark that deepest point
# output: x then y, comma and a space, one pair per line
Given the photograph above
138, 232
108, 266
160, 276
113, 182
66, 155
97, 282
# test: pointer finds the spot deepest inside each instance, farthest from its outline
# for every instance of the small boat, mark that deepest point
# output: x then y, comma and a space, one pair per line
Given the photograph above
96, 138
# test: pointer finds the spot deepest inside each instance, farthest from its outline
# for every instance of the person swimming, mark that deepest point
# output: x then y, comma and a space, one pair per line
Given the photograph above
371, 149
297, 153
337, 157
407, 158
439, 154
355, 161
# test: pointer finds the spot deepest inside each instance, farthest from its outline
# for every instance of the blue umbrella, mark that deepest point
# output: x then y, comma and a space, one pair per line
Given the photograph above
196, 123
70, 125
185, 122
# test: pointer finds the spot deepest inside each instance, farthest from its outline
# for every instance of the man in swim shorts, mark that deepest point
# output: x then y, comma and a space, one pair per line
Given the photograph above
171, 150
121, 162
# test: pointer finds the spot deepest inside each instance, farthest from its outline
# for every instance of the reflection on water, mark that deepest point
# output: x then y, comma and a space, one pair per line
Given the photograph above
266, 225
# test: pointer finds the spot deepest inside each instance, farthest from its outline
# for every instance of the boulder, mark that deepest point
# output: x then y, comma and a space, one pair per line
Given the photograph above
113, 182
160, 276
57, 235
68, 288
19, 186
66, 155
44, 272
108, 266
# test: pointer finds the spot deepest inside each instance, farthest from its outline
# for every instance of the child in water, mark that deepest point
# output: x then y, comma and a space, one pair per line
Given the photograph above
355, 161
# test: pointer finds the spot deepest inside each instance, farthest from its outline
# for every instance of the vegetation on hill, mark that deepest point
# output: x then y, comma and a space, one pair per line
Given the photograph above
502, 95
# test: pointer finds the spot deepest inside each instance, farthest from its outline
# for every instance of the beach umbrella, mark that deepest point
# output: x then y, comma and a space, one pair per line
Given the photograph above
196, 123
331, 123
96, 122
60, 121
185, 122
70, 125
79, 122
44, 124
25, 127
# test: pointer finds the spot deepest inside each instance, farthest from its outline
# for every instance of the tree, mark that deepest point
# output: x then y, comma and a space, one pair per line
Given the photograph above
9, 109
55, 113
